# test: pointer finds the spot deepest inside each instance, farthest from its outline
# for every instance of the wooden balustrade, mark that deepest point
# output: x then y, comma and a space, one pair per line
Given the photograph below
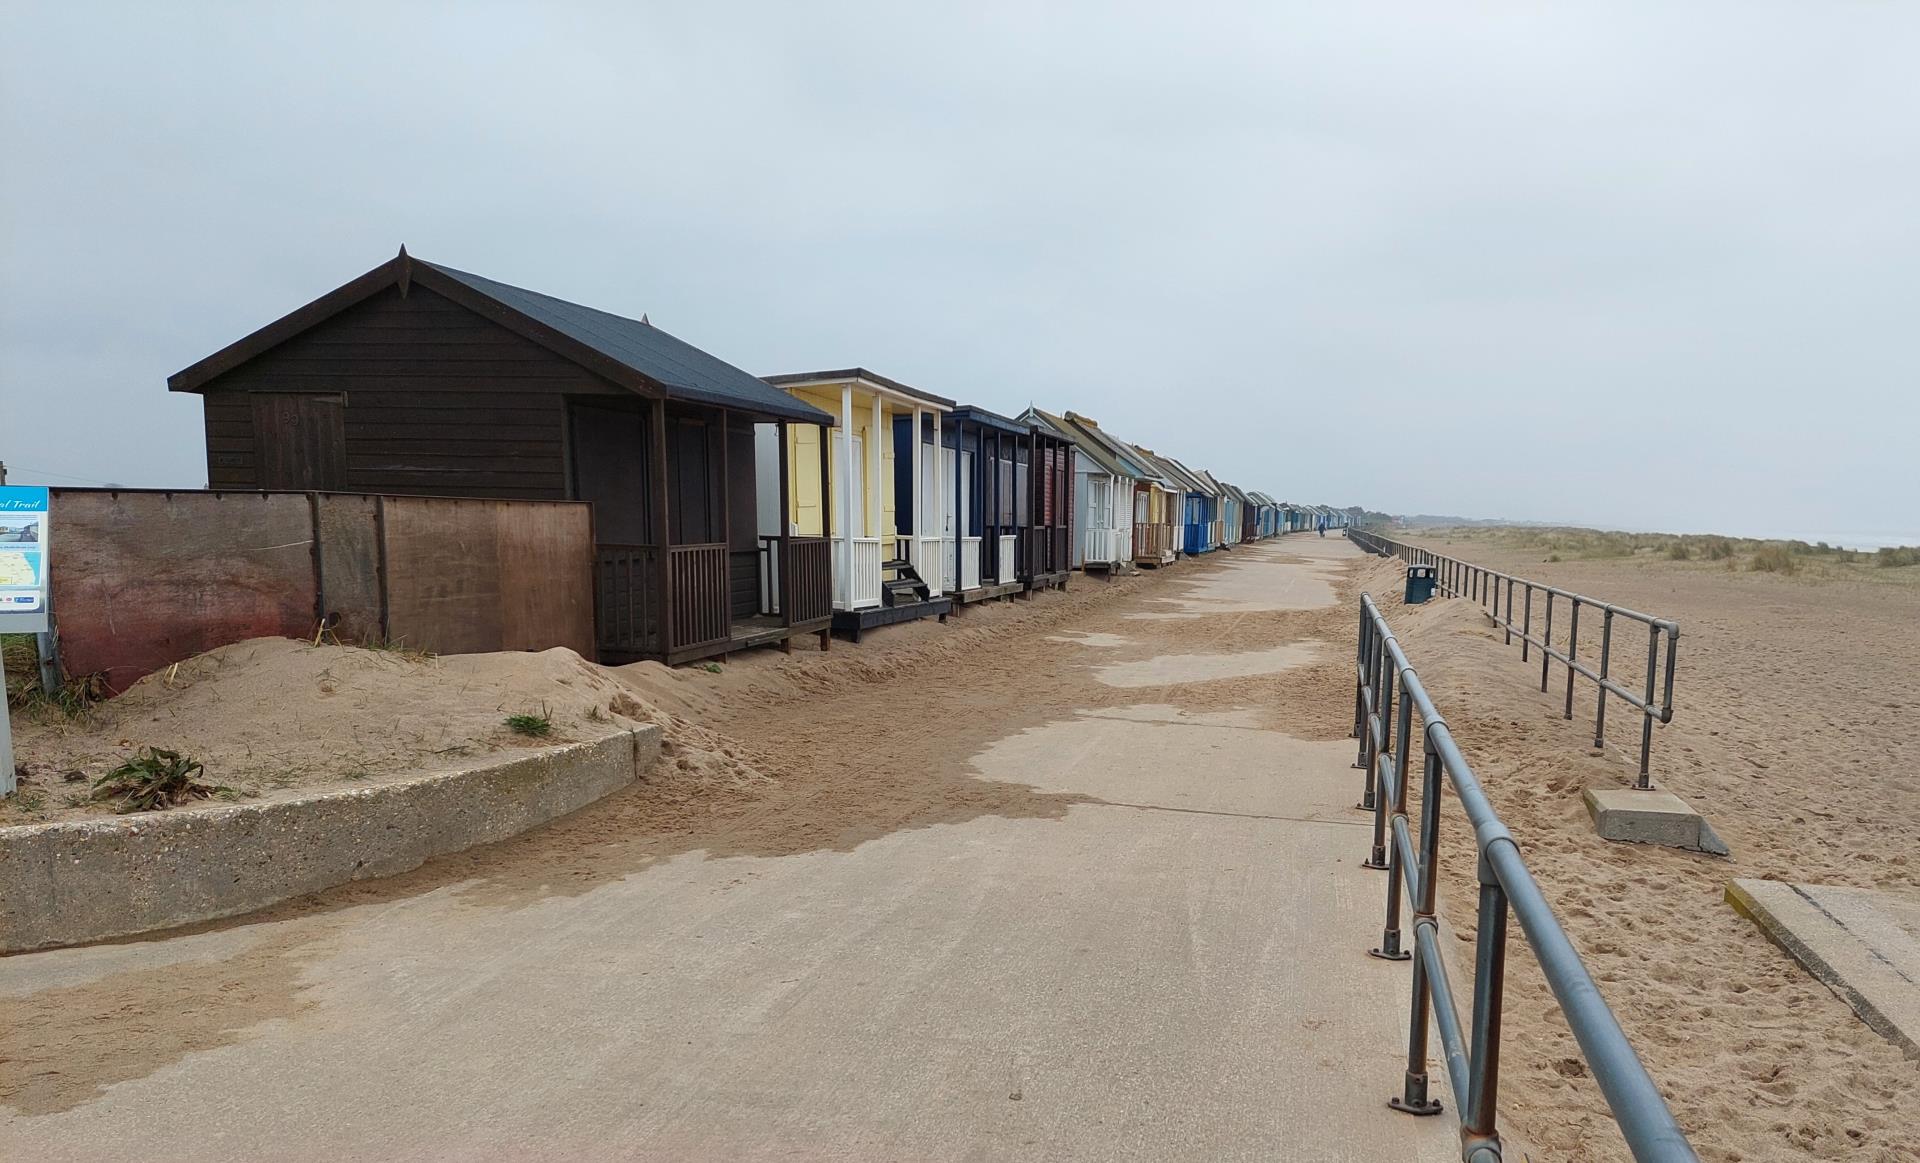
697, 575
807, 593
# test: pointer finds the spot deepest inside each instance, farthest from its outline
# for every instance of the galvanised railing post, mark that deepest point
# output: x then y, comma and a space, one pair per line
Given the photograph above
1526, 624
1509, 624
1546, 637
1389, 949
1573, 651
1646, 719
1362, 674
1479, 1130
1383, 712
1368, 753
1606, 653
1413, 1098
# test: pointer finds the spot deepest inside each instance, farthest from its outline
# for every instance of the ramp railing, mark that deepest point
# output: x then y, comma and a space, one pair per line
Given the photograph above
1487, 587
1387, 696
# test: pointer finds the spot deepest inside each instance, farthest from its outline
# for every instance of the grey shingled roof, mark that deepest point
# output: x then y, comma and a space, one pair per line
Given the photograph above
680, 367
1084, 443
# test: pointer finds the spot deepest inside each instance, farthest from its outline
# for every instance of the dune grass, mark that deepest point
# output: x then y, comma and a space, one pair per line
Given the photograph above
1814, 562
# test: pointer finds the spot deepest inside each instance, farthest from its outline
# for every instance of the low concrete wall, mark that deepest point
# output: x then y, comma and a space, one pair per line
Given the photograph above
72, 882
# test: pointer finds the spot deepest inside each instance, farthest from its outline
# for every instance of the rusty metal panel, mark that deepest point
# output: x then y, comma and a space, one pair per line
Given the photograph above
144, 579
350, 580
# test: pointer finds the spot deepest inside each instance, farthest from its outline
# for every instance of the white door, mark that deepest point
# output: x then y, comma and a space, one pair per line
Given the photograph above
1099, 511
841, 527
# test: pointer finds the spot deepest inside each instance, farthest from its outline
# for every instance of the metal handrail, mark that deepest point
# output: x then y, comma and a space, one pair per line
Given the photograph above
1464, 579
1473, 1064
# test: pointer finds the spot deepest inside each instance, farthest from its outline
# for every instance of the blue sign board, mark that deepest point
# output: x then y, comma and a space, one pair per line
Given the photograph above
23, 557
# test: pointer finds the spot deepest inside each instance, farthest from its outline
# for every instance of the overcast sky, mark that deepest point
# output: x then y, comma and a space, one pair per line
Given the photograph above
1646, 266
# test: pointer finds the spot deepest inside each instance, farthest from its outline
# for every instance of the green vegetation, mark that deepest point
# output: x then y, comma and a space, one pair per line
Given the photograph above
152, 780
533, 726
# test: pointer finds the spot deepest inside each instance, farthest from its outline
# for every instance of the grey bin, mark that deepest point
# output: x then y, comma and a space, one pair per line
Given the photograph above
1420, 583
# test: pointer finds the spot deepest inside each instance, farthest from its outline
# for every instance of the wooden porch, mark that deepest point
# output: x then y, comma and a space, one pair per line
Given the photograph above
1152, 543
700, 619
679, 571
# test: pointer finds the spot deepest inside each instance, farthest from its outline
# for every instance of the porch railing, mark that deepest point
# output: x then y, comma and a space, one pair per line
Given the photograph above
626, 590
857, 584
809, 590
928, 555
1007, 561
969, 563
699, 610
626, 579
1094, 545
1387, 694
1463, 579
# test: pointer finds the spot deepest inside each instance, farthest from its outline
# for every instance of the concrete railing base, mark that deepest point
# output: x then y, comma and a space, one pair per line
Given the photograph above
70, 882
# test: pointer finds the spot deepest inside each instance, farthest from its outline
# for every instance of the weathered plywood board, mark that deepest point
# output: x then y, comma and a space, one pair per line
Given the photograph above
472, 575
142, 580
350, 578
545, 553
443, 575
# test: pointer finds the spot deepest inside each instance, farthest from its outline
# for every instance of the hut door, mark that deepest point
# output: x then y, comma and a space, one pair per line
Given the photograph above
300, 440
1097, 511
843, 524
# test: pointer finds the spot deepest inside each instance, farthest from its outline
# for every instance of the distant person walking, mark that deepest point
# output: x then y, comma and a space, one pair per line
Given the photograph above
1323, 526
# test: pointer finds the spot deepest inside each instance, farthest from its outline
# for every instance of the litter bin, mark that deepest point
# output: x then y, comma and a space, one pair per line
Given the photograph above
1420, 583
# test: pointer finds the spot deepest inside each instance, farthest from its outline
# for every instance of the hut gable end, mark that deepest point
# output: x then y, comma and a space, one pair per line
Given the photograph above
433, 397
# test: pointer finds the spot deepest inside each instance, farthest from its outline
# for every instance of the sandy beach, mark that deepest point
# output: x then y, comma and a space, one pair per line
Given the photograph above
1797, 734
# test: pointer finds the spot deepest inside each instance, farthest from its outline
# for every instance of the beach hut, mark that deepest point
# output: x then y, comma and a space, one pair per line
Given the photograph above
1148, 518
1249, 530
1200, 503
982, 515
862, 491
1269, 515
1104, 484
1047, 559
416, 378
1157, 509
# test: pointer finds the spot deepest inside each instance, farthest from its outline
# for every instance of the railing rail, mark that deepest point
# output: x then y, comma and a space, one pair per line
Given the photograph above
1387, 695
1464, 579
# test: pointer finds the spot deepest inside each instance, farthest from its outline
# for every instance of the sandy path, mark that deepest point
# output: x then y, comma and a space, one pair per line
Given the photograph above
1070, 877
1797, 731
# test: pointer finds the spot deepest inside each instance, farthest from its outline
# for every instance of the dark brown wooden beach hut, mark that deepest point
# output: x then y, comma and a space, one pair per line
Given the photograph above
416, 378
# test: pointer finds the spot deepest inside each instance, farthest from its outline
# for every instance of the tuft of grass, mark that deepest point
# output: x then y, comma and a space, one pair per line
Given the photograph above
1897, 556
710, 667
1678, 551
532, 726
397, 647
153, 780
1774, 559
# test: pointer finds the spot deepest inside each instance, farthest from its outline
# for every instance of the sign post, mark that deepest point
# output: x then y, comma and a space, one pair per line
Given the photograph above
24, 520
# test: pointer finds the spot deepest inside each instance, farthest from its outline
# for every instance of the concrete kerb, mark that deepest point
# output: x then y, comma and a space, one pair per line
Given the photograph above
71, 882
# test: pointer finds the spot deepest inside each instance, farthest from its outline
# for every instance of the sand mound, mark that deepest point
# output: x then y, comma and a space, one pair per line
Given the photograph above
275, 716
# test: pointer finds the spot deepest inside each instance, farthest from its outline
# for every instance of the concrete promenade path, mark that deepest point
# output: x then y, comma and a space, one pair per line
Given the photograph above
1172, 968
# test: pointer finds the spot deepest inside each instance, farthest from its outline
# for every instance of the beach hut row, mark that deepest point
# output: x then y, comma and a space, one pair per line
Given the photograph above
729, 510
